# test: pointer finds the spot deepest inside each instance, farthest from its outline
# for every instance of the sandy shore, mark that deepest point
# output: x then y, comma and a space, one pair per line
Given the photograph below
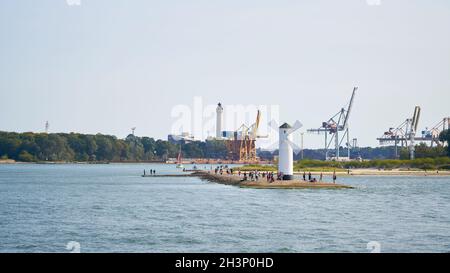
376, 172
7, 161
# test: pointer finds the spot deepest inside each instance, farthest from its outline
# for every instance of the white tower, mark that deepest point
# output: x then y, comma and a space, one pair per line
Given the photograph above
286, 156
219, 116
286, 150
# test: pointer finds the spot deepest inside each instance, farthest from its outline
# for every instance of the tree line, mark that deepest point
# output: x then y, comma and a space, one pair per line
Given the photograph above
74, 147
33, 147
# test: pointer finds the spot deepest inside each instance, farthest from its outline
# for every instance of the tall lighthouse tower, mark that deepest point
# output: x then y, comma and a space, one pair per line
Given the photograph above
219, 117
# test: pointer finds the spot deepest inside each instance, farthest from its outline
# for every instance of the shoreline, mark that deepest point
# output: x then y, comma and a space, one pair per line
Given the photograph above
376, 172
340, 172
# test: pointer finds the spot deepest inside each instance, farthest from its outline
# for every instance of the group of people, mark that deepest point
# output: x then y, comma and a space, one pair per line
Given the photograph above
221, 169
152, 172
313, 179
247, 176
269, 176
256, 175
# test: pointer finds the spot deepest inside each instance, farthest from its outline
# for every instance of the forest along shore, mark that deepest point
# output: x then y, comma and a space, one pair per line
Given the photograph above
235, 180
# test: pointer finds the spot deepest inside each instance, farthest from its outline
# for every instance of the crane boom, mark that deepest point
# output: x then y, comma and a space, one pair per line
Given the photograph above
256, 127
416, 118
350, 107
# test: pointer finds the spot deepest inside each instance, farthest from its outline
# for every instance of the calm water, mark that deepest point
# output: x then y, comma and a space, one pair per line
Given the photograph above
110, 208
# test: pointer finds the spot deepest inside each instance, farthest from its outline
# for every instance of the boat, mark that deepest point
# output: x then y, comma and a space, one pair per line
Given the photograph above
179, 160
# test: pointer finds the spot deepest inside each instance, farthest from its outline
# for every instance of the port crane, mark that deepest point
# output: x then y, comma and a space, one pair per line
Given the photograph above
336, 124
405, 134
242, 146
432, 135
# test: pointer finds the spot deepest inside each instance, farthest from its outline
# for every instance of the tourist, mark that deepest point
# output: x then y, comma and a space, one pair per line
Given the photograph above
304, 176
334, 177
321, 177
309, 176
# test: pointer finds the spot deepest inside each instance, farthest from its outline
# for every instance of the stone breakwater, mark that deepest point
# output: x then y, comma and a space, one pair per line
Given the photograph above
263, 184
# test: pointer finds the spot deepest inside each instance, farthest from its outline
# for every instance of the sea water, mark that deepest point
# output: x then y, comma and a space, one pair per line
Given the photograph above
111, 208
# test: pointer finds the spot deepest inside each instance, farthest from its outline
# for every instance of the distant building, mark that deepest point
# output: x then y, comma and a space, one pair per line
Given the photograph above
219, 120
180, 139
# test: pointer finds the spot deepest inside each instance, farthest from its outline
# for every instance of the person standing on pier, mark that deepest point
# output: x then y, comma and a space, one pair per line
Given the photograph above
334, 177
321, 177
304, 176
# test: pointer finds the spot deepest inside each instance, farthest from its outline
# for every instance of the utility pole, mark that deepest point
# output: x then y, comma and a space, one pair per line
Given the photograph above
302, 155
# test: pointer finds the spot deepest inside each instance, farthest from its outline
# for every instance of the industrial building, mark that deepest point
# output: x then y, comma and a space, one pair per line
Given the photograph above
180, 139
241, 143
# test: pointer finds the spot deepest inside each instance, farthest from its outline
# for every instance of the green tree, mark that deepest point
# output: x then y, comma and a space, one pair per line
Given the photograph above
423, 151
149, 147
9, 145
104, 147
136, 148
445, 137
25, 156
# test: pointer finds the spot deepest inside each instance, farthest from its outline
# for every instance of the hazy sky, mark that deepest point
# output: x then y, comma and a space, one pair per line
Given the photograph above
108, 65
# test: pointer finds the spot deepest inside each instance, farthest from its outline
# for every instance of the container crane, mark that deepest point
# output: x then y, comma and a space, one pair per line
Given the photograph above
336, 124
405, 134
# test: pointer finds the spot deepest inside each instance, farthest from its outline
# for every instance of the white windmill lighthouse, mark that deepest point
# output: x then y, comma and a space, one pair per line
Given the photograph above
286, 150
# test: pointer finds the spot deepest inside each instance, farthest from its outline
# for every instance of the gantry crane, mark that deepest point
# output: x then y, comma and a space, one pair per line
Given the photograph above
336, 124
432, 135
405, 134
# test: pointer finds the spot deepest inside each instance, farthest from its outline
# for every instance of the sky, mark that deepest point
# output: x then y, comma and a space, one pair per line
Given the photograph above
105, 66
